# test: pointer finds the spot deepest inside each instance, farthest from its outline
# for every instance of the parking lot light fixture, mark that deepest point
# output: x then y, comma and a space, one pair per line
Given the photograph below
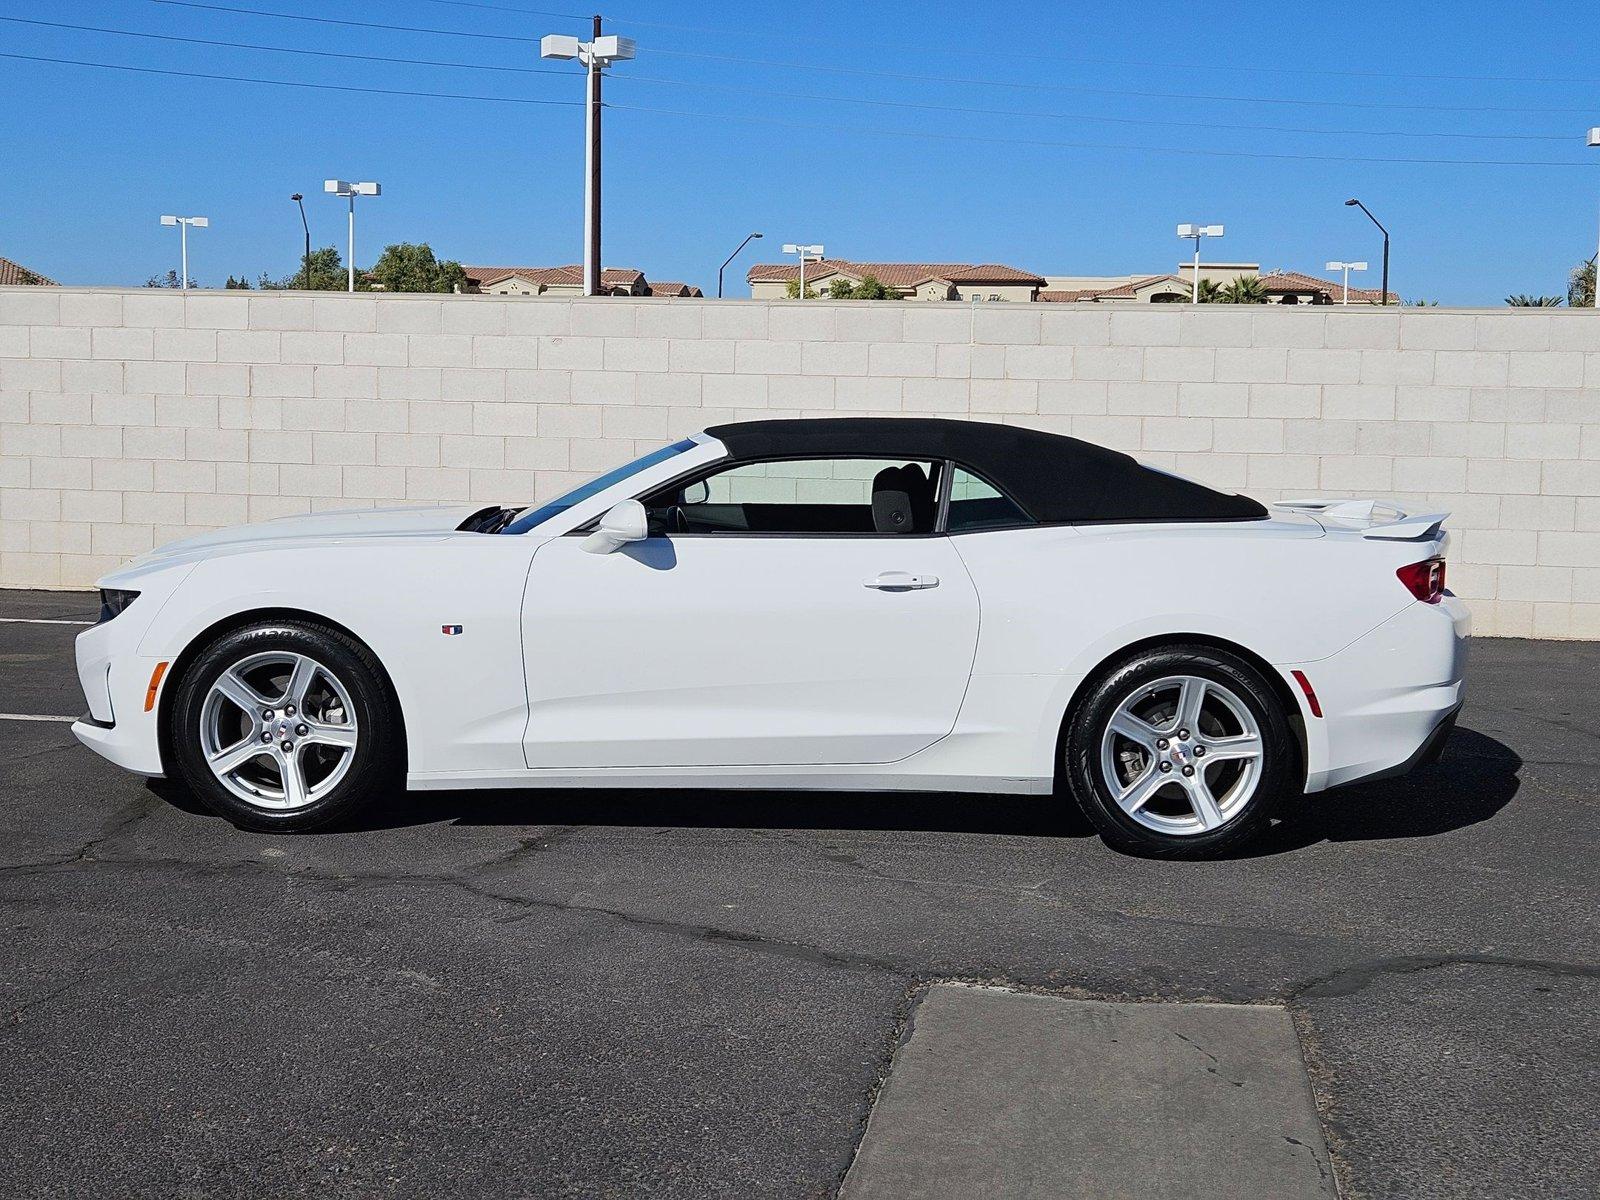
183, 224
807, 254
338, 187
1346, 267
1594, 143
1190, 230
595, 55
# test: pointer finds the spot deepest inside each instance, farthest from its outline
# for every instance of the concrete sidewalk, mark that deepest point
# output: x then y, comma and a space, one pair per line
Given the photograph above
1005, 1094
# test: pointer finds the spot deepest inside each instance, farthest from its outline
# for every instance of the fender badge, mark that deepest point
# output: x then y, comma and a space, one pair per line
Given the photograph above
449, 630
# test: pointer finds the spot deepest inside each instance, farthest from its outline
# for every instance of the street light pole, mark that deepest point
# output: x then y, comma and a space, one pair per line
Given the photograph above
1197, 232
338, 187
1384, 297
305, 279
594, 56
183, 224
1594, 141
730, 258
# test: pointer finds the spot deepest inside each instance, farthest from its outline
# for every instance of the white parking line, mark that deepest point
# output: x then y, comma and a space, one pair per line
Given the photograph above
33, 717
39, 621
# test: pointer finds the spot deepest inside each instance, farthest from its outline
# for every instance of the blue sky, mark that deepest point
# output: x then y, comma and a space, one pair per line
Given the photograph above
1077, 170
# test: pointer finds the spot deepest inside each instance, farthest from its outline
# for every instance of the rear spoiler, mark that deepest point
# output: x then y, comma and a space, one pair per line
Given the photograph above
1380, 520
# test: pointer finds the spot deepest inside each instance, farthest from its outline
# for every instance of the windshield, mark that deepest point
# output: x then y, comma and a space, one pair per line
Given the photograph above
530, 517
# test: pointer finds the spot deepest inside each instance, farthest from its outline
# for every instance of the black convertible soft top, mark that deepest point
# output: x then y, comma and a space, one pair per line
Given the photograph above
1056, 479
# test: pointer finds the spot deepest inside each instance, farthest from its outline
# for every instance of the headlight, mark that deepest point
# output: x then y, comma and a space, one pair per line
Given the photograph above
113, 602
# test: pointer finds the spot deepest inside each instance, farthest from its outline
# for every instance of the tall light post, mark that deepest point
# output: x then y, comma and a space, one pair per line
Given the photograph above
183, 224
807, 254
338, 187
1594, 142
1384, 298
1197, 232
1346, 267
301, 201
594, 56
752, 237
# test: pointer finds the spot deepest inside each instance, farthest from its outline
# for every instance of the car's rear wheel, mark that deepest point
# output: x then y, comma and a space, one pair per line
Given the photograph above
1180, 751
285, 726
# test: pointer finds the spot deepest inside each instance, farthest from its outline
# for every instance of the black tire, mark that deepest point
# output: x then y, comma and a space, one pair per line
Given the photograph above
376, 767
1279, 766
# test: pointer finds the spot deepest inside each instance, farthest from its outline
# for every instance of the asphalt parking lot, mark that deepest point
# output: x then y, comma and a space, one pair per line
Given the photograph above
618, 993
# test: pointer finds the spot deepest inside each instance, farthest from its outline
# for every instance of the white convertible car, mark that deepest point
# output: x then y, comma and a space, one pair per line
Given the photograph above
856, 604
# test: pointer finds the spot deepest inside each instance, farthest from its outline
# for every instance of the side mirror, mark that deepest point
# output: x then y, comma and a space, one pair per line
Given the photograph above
625, 522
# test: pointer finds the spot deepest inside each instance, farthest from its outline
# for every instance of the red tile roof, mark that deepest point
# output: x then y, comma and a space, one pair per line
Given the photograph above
896, 275
1124, 291
672, 287
15, 273
571, 276
1280, 283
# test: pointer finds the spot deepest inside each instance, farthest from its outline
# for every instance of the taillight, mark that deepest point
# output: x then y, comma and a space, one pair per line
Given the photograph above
1424, 580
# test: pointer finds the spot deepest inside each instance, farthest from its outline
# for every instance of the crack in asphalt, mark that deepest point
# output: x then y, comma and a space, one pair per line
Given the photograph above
1347, 981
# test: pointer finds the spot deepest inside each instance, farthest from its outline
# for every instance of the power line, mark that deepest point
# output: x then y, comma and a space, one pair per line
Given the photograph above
875, 73
631, 78
323, 87
282, 16
924, 48
170, 37
921, 77
985, 139
855, 100
854, 129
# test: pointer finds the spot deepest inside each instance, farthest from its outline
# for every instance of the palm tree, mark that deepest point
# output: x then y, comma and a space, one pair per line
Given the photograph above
1522, 300
1210, 292
1580, 289
1246, 289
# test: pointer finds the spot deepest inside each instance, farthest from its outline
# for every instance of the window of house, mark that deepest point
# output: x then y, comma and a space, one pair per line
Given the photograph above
977, 504
802, 496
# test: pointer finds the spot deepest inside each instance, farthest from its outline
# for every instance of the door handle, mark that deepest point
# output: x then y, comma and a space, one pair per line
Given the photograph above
902, 581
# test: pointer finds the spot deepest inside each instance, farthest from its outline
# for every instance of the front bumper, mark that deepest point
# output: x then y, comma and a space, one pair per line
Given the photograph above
115, 679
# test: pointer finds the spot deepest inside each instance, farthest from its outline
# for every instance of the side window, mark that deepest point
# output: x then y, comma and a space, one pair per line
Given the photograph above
975, 504
800, 496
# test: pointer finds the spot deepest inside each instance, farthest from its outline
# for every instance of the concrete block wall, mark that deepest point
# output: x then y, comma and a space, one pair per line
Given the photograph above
130, 417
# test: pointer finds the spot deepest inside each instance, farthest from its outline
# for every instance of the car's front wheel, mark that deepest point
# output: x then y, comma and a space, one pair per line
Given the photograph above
1180, 751
285, 726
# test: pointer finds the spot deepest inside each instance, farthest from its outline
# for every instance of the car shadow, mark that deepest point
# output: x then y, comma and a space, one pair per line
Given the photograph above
1476, 778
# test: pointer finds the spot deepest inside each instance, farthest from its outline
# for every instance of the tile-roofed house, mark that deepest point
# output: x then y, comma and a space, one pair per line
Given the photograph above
1292, 287
673, 287
912, 281
1150, 289
560, 281
14, 274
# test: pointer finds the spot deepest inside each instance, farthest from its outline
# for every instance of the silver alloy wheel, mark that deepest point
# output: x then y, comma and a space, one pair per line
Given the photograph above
1182, 755
278, 730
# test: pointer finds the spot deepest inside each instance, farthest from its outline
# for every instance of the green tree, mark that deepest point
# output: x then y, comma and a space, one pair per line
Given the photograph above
871, 288
1522, 300
327, 275
237, 285
1580, 286
1210, 292
839, 288
1423, 303
404, 267
1246, 289
169, 280
793, 290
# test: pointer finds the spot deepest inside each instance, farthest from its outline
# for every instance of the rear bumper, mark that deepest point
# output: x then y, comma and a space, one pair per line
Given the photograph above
1390, 699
